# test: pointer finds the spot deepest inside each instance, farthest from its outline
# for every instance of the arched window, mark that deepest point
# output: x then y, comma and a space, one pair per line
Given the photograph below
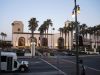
44, 42
21, 41
60, 43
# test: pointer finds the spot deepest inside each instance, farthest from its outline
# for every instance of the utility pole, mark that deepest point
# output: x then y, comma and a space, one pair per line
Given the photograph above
77, 40
0, 60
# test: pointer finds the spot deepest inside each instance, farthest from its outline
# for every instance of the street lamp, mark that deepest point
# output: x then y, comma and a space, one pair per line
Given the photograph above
76, 11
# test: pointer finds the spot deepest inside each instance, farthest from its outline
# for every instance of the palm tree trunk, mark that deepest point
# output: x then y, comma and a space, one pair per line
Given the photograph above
47, 35
65, 40
2, 37
97, 39
90, 41
68, 40
32, 36
71, 39
62, 34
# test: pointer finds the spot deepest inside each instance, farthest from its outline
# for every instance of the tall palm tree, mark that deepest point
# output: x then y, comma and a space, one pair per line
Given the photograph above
33, 24
94, 33
82, 29
68, 28
41, 29
2, 35
72, 28
65, 32
98, 33
5, 35
44, 27
48, 23
90, 31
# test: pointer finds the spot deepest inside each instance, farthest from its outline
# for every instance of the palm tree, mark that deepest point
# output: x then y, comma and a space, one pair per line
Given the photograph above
68, 35
2, 35
65, 31
90, 31
41, 29
71, 28
48, 23
94, 33
98, 33
5, 35
33, 24
82, 29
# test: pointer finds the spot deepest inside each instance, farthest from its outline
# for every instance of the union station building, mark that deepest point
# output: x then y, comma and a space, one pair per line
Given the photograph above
23, 39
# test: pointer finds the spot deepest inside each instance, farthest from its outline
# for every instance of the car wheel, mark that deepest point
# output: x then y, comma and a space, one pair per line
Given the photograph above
23, 68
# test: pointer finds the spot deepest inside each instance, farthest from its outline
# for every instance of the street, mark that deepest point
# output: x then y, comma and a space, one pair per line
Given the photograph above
59, 65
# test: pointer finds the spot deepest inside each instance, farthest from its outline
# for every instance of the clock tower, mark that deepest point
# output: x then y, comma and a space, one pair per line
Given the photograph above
17, 26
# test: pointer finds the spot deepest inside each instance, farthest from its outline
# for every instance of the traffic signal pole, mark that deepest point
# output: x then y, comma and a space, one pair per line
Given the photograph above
77, 41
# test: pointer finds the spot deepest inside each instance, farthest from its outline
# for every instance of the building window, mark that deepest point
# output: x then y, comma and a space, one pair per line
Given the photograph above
3, 58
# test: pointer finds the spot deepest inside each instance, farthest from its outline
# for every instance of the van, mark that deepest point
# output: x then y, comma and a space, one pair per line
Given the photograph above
9, 62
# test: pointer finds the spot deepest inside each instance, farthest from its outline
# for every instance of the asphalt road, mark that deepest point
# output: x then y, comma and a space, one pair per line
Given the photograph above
67, 64
59, 65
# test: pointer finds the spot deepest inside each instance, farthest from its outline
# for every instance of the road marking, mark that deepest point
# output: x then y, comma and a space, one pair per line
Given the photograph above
88, 55
92, 68
84, 66
54, 66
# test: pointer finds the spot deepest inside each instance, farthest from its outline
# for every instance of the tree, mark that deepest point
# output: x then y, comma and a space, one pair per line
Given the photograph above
48, 23
98, 33
65, 31
41, 29
5, 35
2, 35
90, 31
33, 24
82, 29
71, 28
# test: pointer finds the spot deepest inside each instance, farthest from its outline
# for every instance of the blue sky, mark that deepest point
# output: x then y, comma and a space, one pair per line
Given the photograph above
58, 11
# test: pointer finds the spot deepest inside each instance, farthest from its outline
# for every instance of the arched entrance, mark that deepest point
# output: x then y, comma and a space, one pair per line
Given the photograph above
60, 43
44, 42
21, 41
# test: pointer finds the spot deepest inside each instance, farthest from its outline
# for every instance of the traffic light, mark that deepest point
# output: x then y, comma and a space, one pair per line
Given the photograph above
80, 40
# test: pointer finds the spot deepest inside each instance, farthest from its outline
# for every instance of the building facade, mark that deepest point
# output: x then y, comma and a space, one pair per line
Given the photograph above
21, 38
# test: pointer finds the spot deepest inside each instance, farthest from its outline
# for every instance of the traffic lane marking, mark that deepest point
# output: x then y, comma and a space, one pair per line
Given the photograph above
84, 65
54, 66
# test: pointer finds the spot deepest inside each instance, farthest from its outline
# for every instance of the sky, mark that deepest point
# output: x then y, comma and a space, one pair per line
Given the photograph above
58, 11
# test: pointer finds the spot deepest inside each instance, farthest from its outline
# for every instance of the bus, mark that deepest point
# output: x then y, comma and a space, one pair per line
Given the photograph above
9, 62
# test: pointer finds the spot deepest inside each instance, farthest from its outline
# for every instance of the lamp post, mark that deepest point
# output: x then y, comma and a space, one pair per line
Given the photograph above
77, 37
